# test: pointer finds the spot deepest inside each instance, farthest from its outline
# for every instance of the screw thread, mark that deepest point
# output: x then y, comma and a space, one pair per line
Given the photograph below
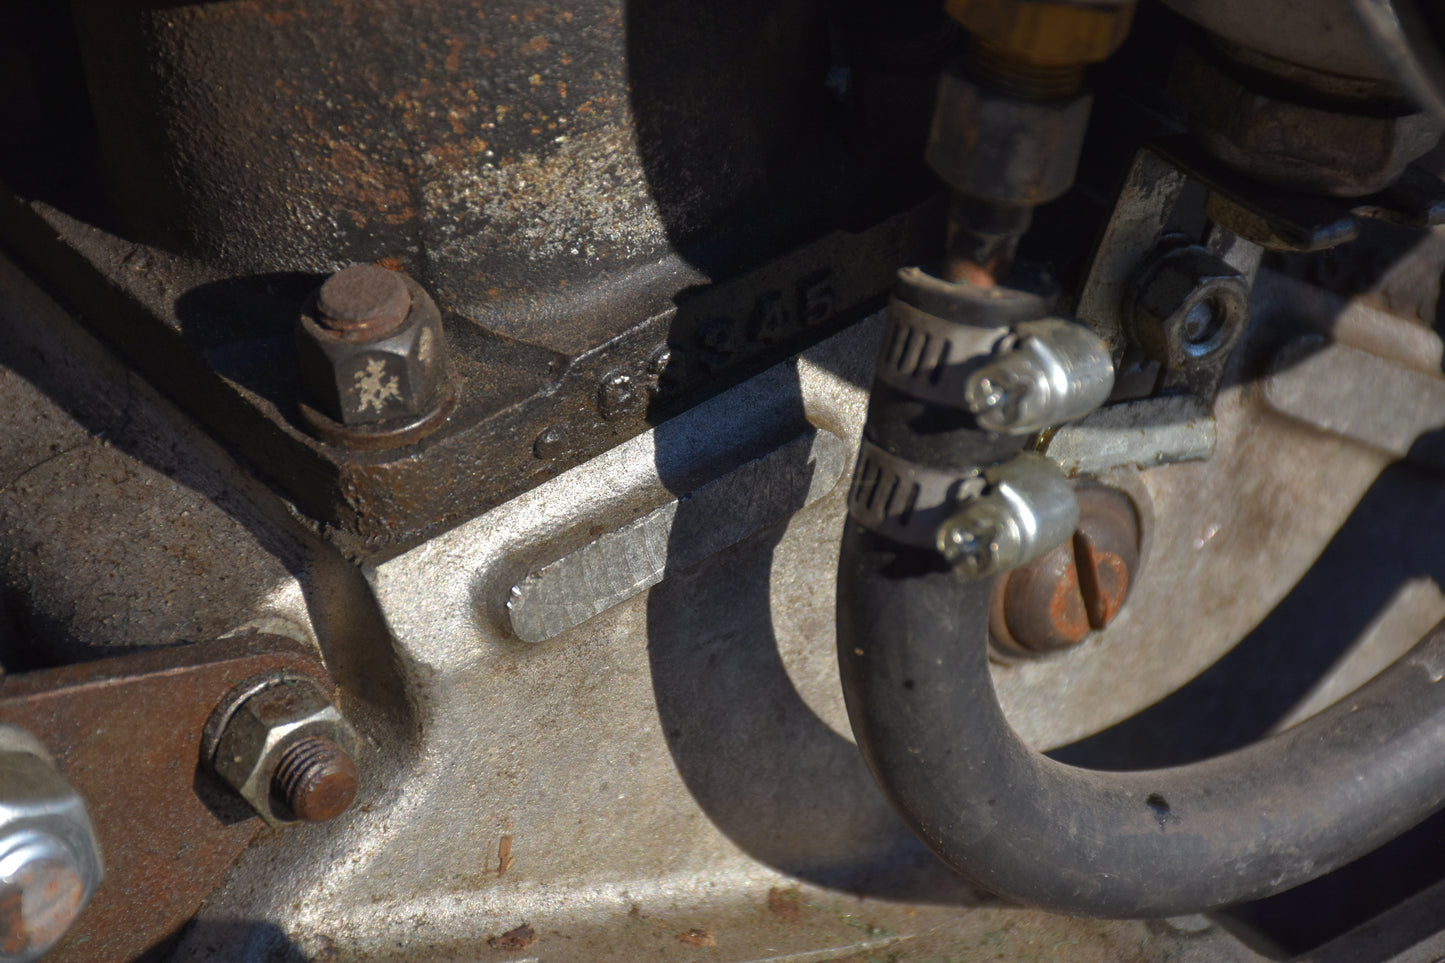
316, 778
1005, 70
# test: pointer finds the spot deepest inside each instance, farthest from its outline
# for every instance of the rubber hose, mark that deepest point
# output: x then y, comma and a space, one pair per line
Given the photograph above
912, 639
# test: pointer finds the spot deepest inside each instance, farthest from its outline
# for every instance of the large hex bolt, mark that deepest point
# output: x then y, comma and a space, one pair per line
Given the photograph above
281, 744
1303, 142
49, 861
372, 359
1056, 601
1186, 307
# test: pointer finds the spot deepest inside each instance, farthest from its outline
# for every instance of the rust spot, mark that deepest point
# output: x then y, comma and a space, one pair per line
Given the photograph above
1067, 615
505, 859
697, 938
537, 44
515, 939
1103, 580
787, 905
454, 54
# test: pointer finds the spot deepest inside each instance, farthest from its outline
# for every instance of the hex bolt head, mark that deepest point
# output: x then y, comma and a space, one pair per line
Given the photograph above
316, 778
281, 744
1186, 306
363, 302
1056, 601
372, 359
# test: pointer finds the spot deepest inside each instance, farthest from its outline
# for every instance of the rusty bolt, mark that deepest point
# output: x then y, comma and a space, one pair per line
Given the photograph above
363, 302
372, 358
1053, 603
316, 778
281, 744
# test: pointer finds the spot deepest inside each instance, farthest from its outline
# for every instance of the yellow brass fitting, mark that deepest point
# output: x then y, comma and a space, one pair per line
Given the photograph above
1047, 32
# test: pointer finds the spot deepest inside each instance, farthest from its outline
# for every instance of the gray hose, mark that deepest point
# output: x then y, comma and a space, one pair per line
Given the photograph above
912, 642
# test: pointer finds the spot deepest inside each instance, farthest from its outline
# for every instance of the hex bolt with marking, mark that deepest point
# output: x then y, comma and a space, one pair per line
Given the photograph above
1048, 372
49, 861
372, 359
282, 745
1057, 601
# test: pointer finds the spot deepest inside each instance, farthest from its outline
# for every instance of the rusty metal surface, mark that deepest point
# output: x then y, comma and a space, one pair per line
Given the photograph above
126, 732
222, 349
506, 146
613, 232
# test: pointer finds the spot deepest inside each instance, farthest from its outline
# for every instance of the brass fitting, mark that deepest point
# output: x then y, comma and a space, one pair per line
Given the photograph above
1044, 33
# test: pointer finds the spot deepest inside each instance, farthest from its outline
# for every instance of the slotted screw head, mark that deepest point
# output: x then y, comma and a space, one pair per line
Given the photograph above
1055, 601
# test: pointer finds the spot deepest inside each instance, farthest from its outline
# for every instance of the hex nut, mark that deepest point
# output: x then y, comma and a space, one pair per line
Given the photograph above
989, 145
1186, 305
394, 378
256, 728
1049, 31
50, 862
1305, 147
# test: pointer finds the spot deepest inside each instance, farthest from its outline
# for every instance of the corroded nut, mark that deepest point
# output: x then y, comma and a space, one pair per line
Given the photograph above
989, 145
1048, 31
392, 373
1185, 305
1343, 153
253, 732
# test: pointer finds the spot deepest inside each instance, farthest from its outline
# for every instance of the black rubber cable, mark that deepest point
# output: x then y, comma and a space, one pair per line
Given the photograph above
912, 642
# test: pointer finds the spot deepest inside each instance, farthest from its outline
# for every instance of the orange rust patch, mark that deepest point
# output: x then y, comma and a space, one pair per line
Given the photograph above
787, 905
1066, 608
517, 939
454, 54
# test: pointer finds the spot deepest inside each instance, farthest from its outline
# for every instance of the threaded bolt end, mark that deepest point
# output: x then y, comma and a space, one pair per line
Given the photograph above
1005, 70
316, 779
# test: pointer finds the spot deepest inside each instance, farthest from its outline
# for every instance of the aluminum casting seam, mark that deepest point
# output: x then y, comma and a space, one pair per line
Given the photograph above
912, 651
